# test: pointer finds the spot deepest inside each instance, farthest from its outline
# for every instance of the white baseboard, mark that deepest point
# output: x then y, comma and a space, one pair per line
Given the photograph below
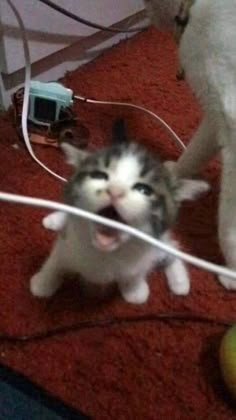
56, 65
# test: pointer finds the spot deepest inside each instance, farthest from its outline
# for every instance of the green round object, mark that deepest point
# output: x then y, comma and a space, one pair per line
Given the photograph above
228, 359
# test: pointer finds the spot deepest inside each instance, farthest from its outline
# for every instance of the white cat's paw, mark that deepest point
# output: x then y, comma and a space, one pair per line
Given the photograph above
54, 221
137, 294
40, 287
179, 287
227, 282
178, 278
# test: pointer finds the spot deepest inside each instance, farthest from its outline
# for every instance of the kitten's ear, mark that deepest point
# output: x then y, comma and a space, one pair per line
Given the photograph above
119, 134
189, 189
73, 155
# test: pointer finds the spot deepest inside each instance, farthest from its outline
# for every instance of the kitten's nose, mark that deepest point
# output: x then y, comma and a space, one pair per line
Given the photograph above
115, 192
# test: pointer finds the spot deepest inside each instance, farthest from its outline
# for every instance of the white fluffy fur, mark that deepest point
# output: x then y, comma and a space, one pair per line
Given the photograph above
76, 249
129, 265
208, 56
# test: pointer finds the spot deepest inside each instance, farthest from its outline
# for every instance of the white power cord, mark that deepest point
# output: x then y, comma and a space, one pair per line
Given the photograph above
81, 213
26, 92
53, 205
176, 138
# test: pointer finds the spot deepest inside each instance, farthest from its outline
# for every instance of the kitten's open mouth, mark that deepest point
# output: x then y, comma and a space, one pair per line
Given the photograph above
104, 237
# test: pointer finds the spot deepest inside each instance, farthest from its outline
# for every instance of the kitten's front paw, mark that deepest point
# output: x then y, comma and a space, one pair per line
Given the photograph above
177, 278
40, 287
227, 282
136, 294
179, 287
54, 221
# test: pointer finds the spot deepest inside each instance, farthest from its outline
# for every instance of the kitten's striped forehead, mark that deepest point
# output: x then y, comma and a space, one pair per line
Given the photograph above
128, 162
126, 168
131, 160
128, 165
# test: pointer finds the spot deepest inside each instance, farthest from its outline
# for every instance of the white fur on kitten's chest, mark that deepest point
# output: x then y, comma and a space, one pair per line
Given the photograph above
134, 258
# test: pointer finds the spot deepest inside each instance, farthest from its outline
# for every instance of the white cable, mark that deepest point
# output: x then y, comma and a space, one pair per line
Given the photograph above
26, 92
38, 202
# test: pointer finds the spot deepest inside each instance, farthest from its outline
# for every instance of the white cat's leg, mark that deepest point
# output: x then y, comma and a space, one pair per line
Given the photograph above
55, 221
50, 277
229, 251
227, 236
134, 290
227, 213
177, 277
202, 147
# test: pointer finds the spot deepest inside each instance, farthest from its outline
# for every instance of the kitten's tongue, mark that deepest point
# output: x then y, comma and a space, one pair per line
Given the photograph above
106, 238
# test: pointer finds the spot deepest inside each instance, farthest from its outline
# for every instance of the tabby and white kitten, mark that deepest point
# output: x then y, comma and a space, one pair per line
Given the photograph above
123, 182
208, 56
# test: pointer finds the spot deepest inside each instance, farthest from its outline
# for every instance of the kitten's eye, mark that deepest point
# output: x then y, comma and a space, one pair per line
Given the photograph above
98, 175
143, 188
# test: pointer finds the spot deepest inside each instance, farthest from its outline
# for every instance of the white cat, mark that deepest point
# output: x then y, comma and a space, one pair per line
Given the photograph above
208, 56
125, 183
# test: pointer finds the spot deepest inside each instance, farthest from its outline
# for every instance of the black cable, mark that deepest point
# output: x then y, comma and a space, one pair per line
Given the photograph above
88, 22
90, 324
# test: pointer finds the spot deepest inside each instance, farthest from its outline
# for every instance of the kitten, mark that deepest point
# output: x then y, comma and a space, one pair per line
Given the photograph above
208, 56
123, 182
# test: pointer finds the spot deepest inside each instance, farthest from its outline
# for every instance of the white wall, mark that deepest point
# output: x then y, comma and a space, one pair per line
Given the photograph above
49, 31
57, 43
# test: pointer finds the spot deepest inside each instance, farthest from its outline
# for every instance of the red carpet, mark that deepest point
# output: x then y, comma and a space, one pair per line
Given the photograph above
149, 370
